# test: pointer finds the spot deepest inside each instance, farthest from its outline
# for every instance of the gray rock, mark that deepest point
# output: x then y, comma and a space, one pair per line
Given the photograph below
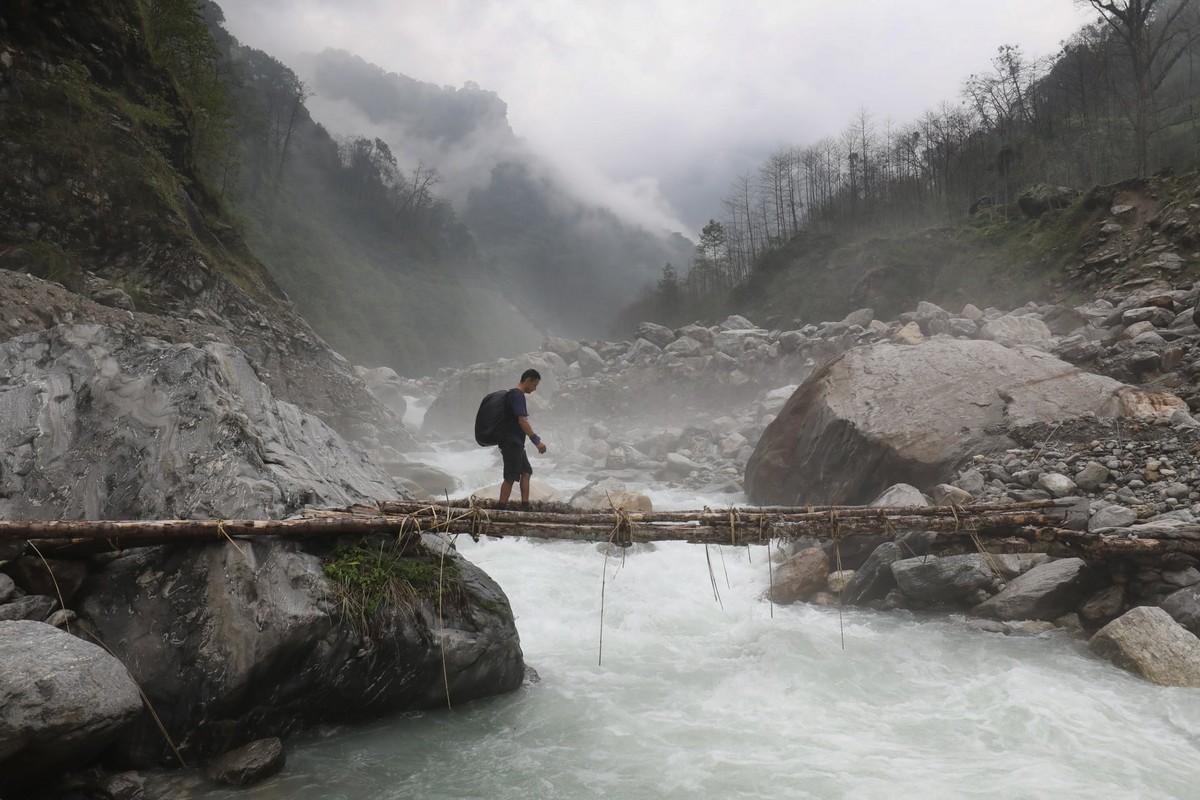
34, 607
124, 786
862, 317
62, 701
1177, 490
1041, 198
735, 342
870, 418
837, 580
134, 427
642, 348
954, 581
971, 481
1056, 484
10, 550
659, 335
623, 456
703, 335
8, 589
1148, 643
959, 326
435, 481
800, 576
791, 341
901, 495
1091, 476
1184, 607
736, 322
589, 361
1158, 317
681, 465
567, 348
1045, 592
874, 578
610, 493
944, 494
249, 764
1112, 516
114, 297
1104, 604
684, 346
386, 385
1013, 564
1010, 330
260, 643
1061, 320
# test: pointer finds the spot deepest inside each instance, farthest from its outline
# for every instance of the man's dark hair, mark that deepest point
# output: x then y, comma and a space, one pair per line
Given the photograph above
530, 373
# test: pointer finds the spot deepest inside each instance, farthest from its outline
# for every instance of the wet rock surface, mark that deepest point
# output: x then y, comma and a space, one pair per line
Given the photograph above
105, 425
62, 701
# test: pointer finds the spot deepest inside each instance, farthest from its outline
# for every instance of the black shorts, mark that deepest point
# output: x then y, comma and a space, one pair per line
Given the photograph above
516, 463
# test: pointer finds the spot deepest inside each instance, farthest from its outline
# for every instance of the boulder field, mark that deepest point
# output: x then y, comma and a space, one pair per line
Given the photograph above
198, 648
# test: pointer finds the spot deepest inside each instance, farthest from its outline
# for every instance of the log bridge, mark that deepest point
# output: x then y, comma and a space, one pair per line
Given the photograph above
1051, 526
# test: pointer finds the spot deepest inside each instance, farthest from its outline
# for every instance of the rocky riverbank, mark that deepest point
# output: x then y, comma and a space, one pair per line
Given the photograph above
1089, 401
174, 654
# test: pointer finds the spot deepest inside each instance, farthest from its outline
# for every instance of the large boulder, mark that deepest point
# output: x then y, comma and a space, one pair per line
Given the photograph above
608, 493
99, 424
1045, 592
237, 643
874, 578
883, 414
799, 576
1042, 197
947, 582
1148, 643
62, 701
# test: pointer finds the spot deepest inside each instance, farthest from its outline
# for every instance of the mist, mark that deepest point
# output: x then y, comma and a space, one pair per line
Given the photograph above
654, 108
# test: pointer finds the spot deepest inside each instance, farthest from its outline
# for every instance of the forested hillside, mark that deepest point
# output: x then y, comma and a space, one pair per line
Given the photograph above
367, 250
566, 262
888, 211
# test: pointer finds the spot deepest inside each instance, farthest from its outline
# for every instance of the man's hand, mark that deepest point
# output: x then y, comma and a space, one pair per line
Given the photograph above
541, 447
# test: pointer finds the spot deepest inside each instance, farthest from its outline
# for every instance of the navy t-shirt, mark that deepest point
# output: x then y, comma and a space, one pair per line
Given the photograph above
515, 403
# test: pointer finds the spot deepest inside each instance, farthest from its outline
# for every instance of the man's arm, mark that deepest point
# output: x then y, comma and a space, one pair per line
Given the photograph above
533, 437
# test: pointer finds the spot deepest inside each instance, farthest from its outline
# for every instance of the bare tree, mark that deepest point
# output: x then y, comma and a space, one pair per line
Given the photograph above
1153, 46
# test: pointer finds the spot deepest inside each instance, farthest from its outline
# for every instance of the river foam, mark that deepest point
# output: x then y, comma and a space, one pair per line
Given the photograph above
665, 674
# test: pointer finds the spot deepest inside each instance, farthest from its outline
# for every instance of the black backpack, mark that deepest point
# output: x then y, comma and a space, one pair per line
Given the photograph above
492, 419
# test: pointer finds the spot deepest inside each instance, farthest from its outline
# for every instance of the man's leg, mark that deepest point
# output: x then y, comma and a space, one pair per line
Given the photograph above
506, 488
524, 488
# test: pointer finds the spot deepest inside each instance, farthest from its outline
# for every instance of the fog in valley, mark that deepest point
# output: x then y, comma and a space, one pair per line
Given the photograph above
584, 150
863, 449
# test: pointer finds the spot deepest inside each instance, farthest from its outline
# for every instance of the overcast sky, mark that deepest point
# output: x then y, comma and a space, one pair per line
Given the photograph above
654, 106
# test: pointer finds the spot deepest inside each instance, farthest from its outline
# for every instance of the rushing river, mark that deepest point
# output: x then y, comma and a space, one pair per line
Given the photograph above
655, 684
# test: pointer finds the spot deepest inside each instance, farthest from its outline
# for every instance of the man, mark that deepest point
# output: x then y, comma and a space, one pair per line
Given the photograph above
512, 446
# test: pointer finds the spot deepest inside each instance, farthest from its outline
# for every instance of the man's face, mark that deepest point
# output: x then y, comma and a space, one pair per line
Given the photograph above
529, 386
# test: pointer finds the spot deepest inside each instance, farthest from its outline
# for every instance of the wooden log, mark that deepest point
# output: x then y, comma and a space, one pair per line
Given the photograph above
193, 529
998, 530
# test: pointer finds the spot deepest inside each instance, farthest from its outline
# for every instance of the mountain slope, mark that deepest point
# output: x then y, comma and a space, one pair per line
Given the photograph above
569, 264
100, 192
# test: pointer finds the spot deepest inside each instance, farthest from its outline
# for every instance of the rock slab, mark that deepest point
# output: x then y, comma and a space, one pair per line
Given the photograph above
62, 701
1148, 643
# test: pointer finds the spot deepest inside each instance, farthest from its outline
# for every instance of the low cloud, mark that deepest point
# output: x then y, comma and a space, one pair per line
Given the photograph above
653, 108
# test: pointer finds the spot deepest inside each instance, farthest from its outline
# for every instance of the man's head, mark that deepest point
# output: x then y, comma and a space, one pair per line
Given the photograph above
530, 379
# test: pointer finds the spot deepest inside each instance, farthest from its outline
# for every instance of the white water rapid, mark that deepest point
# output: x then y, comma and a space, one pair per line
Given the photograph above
698, 697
